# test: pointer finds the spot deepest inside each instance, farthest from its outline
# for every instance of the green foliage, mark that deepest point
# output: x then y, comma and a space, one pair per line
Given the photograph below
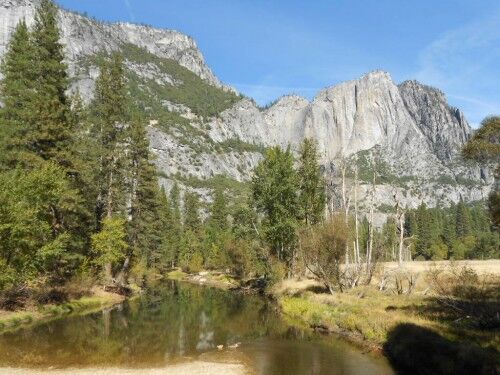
275, 194
145, 226
110, 114
458, 232
218, 218
110, 243
34, 239
202, 98
49, 135
192, 220
311, 184
17, 90
484, 147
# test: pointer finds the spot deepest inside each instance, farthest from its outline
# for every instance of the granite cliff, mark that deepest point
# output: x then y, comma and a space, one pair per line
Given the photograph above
204, 133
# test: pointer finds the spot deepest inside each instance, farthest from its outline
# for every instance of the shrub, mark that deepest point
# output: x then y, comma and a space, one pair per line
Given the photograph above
323, 247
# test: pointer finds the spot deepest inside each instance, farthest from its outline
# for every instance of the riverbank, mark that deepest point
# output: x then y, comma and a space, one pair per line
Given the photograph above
417, 330
34, 314
192, 368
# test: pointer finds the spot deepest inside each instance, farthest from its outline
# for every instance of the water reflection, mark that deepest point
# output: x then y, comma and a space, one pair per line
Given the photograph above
179, 320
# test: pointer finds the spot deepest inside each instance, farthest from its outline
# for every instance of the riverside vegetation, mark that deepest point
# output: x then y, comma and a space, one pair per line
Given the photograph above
81, 206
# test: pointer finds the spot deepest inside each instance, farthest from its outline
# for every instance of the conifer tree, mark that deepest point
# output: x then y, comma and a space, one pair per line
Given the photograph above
218, 212
312, 184
16, 93
49, 135
463, 226
190, 252
175, 235
168, 248
111, 115
192, 220
144, 224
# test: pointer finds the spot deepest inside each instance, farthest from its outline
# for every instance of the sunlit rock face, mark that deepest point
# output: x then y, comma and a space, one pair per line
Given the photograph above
84, 37
407, 131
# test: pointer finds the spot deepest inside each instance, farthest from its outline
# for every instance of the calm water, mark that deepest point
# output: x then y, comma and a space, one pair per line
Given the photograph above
181, 321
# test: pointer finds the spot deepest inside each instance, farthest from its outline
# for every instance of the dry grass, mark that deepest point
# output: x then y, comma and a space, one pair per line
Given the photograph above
482, 267
368, 314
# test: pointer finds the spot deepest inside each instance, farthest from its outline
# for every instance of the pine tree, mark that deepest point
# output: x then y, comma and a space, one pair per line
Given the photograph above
218, 212
175, 235
168, 247
144, 213
190, 252
312, 184
111, 115
463, 225
192, 220
17, 91
49, 135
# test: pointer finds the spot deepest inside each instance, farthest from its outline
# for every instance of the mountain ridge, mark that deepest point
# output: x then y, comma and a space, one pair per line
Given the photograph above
201, 129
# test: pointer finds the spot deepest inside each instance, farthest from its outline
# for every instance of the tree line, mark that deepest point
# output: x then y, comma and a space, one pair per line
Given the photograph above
80, 196
78, 189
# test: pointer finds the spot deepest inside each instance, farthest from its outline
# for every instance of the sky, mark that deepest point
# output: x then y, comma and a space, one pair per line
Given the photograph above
269, 48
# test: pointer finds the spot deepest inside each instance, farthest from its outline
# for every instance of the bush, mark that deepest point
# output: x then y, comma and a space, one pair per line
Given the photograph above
195, 263
15, 298
109, 244
323, 248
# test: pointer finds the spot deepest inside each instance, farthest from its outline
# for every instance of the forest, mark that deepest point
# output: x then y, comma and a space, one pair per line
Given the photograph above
81, 203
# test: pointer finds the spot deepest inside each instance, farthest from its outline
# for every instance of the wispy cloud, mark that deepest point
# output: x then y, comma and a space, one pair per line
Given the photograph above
129, 9
464, 63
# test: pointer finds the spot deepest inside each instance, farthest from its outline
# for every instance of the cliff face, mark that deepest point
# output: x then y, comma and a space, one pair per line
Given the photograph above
83, 37
408, 131
445, 127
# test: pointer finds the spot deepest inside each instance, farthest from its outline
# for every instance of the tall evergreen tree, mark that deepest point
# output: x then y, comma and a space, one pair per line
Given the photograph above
311, 184
218, 212
49, 135
16, 93
111, 115
463, 224
144, 224
192, 220
175, 235
168, 247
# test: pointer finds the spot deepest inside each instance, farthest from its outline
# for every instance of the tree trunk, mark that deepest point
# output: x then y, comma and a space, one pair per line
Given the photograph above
356, 250
401, 236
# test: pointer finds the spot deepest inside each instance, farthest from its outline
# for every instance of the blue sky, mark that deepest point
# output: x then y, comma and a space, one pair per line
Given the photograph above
270, 48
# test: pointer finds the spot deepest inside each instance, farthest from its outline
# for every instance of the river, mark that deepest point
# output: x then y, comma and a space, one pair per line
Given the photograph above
180, 322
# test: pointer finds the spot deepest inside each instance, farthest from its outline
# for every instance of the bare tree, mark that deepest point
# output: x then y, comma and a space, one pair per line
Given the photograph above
357, 259
346, 202
401, 217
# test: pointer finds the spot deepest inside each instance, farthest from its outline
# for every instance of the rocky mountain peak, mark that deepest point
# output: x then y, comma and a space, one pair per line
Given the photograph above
445, 127
84, 37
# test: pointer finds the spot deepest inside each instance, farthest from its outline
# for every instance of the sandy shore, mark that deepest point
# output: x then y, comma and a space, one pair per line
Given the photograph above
191, 368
